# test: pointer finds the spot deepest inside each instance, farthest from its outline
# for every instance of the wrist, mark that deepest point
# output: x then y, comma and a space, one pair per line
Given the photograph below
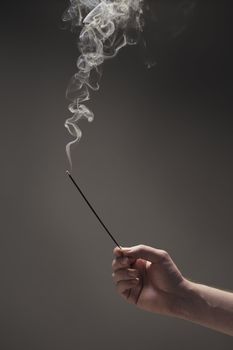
188, 302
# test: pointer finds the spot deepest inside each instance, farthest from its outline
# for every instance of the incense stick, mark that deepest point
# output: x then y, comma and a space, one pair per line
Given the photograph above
92, 209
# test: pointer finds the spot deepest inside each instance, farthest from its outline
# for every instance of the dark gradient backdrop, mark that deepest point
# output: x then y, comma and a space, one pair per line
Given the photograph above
156, 163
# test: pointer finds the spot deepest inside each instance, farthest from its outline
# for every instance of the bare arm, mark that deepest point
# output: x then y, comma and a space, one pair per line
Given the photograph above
207, 306
148, 278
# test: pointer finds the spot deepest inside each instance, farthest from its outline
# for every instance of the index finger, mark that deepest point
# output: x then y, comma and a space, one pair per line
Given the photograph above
118, 252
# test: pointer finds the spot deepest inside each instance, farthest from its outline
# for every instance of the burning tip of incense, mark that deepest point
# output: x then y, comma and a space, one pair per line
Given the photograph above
67, 172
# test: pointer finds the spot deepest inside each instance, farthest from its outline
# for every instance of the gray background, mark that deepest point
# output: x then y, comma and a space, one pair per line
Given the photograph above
156, 163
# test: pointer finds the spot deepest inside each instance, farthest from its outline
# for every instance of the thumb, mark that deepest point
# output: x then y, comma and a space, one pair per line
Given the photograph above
144, 252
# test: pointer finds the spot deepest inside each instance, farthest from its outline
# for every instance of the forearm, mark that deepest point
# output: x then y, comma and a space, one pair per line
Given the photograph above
206, 306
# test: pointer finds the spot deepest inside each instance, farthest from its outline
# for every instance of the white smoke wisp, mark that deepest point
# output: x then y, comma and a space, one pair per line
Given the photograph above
105, 27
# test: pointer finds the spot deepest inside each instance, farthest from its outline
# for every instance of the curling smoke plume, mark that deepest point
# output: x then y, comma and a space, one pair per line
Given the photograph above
105, 27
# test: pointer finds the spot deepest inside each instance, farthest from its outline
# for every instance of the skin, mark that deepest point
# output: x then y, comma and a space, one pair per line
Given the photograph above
148, 278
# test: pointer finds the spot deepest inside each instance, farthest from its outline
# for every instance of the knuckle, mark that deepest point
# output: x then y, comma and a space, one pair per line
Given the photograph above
141, 247
164, 255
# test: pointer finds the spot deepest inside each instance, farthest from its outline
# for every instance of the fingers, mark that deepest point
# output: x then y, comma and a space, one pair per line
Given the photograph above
123, 286
117, 252
124, 275
121, 262
126, 278
142, 251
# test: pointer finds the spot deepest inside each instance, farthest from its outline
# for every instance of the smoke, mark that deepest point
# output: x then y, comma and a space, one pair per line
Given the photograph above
105, 26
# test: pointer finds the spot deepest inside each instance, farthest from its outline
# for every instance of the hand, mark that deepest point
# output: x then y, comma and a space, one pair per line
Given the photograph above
148, 278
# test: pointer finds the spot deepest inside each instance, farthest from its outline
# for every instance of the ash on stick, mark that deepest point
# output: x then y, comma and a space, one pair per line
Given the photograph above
92, 209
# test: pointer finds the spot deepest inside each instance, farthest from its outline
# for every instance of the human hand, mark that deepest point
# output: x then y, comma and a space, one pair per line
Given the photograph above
148, 278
